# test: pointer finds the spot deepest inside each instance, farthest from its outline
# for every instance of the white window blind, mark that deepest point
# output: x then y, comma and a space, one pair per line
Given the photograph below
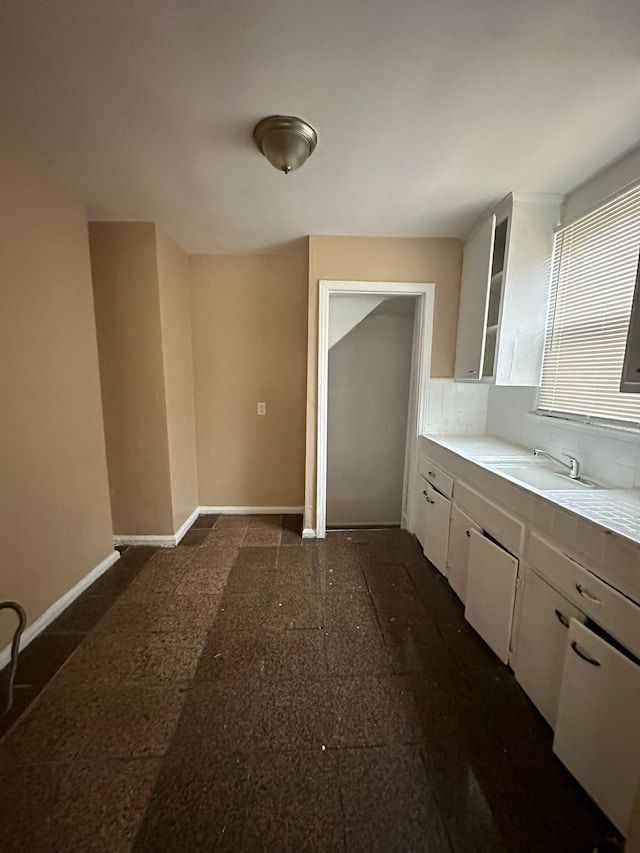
592, 284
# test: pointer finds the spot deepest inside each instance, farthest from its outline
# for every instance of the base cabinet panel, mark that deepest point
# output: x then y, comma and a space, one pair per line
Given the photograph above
436, 538
421, 510
460, 529
597, 732
542, 642
491, 592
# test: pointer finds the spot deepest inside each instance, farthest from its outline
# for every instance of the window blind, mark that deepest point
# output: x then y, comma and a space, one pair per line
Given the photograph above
592, 283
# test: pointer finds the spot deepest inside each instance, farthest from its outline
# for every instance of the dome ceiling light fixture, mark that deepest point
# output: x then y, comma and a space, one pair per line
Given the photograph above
286, 141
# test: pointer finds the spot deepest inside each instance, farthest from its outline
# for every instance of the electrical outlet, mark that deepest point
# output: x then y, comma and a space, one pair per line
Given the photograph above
262, 408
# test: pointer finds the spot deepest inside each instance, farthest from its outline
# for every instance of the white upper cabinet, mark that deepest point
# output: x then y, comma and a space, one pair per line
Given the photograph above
474, 298
503, 292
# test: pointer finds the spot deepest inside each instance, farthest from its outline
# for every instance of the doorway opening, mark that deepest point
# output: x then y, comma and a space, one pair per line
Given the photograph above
374, 348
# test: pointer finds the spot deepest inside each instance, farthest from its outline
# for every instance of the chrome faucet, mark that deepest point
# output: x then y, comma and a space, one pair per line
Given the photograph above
573, 464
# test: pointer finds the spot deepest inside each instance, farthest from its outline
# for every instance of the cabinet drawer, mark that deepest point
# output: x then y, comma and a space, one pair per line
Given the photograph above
436, 476
618, 615
502, 526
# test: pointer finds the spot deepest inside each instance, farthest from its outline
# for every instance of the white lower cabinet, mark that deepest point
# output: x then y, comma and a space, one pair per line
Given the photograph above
597, 733
616, 613
460, 529
436, 536
421, 510
541, 643
432, 523
491, 591
567, 639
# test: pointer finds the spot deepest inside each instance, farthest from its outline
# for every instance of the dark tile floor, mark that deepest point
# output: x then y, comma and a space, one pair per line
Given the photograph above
251, 691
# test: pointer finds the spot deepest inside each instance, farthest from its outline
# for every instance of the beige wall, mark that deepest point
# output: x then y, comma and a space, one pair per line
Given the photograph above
177, 355
438, 261
56, 522
249, 316
125, 282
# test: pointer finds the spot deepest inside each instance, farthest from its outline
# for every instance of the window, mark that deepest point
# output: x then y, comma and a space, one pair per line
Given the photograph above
592, 284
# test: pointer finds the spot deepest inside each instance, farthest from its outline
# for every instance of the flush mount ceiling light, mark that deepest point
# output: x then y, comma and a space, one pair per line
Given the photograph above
286, 141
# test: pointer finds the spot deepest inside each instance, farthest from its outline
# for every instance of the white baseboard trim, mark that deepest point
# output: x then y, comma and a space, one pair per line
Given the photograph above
167, 541
251, 510
155, 541
57, 607
349, 525
172, 540
187, 524
308, 533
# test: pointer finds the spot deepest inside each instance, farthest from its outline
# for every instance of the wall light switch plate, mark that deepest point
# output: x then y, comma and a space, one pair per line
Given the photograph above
262, 408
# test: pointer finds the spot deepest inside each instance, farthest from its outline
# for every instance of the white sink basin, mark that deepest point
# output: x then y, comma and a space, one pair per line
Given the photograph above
543, 478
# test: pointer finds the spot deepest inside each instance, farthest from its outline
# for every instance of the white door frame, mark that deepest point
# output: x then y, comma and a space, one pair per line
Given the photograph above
420, 372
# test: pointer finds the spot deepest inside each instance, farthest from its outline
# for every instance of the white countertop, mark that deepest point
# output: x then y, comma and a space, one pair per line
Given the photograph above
617, 510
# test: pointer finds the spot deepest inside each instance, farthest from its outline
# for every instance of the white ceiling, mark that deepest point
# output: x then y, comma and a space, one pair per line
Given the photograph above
425, 111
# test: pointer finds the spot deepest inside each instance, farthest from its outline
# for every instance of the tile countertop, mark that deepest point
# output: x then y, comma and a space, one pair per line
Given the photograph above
615, 510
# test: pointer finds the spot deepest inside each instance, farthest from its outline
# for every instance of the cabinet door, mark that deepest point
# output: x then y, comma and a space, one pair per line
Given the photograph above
598, 725
491, 592
437, 529
542, 642
474, 302
458, 556
421, 497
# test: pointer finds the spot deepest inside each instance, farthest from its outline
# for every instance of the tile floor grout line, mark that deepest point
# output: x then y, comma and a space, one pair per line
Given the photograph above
434, 792
323, 614
376, 612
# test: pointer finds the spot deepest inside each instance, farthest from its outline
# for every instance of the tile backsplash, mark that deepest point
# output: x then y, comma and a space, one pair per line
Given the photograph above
609, 456
456, 408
